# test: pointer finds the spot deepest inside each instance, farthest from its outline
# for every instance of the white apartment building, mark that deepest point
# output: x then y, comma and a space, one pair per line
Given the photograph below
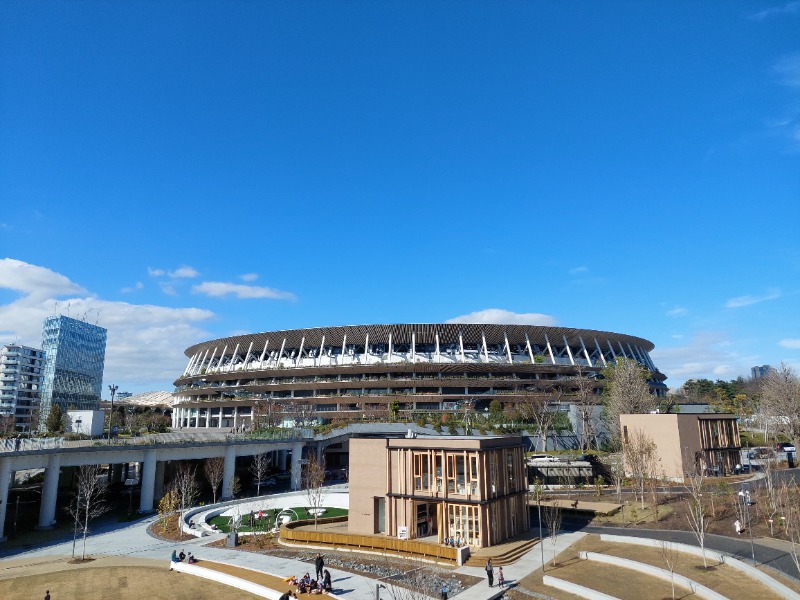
21, 374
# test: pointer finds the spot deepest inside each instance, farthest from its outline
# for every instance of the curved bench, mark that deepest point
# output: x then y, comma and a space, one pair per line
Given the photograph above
770, 582
625, 563
224, 578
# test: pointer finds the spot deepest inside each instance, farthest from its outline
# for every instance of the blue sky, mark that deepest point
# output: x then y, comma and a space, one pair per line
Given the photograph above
181, 171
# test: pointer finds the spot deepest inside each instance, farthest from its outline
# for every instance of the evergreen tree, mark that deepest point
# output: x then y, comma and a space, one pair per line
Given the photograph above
54, 418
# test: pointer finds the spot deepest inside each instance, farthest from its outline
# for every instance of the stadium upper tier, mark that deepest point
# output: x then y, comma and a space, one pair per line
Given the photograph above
336, 370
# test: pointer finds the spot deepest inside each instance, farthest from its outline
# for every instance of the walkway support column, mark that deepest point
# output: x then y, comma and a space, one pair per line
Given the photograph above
47, 512
148, 481
297, 456
228, 472
158, 488
5, 484
282, 460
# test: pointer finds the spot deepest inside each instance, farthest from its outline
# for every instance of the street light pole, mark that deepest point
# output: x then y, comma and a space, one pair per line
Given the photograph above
113, 389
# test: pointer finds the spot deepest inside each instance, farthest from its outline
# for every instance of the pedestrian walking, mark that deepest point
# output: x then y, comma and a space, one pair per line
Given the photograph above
490, 572
501, 579
444, 591
737, 526
47, 595
319, 565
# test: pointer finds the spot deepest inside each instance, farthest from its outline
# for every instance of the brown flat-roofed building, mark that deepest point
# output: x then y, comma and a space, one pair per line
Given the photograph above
468, 489
687, 442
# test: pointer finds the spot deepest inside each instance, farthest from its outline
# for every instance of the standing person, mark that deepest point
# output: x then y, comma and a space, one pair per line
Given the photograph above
444, 591
490, 572
319, 565
501, 579
47, 595
326, 581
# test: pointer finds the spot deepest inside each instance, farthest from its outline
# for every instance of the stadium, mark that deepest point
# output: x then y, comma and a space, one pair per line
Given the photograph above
330, 374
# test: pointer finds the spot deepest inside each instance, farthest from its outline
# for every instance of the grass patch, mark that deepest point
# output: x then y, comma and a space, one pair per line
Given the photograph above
267, 522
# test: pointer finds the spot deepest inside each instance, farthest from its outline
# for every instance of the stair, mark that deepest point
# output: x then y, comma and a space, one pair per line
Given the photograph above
503, 557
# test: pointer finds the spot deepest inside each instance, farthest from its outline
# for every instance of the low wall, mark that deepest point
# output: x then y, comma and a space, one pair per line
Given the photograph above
291, 534
224, 578
574, 588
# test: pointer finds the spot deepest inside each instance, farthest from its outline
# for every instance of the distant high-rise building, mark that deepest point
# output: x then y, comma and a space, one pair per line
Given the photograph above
75, 353
21, 374
758, 372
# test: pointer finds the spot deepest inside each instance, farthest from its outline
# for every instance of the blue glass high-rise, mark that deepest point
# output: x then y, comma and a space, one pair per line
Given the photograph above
75, 353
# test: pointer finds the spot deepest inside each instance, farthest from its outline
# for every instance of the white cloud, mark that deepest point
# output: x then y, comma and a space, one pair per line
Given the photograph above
249, 277
184, 273
35, 281
156, 272
678, 311
706, 355
776, 11
793, 344
505, 317
741, 301
145, 342
578, 270
137, 286
220, 288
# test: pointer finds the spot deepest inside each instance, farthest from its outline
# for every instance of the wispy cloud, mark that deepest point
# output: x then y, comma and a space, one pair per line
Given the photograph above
156, 272
137, 286
249, 277
498, 315
678, 311
787, 69
145, 342
578, 270
789, 8
220, 289
793, 344
741, 301
183, 272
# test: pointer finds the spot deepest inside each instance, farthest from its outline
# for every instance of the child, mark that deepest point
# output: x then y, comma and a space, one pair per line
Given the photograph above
501, 580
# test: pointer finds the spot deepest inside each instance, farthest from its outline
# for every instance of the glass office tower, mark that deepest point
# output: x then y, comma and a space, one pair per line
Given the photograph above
75, 353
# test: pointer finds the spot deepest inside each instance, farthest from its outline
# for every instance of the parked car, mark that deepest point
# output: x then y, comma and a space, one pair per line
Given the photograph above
283, 476
785, 447
543, 458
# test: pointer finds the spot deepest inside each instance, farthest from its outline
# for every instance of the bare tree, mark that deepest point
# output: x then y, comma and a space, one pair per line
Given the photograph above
790, 501
535, 407
167, 506
214, 469
695, 484
669, 554
641, 459
626, 392
186, 488
615, 463
780, 401
553, 516
313, 480
585, 402
259, 468
88, 502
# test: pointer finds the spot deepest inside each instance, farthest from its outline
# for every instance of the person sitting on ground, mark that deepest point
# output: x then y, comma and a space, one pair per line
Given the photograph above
191, 559
174, 556
326, 581
288, 595
191, 523
182, 556
316, 588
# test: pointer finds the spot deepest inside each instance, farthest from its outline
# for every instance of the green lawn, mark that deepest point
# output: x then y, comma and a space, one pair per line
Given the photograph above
268, 521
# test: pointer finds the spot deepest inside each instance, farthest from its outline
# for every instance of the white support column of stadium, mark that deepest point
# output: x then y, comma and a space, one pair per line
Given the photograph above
297, 455
247, 356
280, 353
530, 350
189, 366
300, 352
485, 347
5, 484
202, 364
569, 352
233, 358
366, 348
222, 359
413, 349
263, 354
228, 470
47, 512
344, 347
648, 359
549, 349
508, 348
621, 349
461, 347
438, 354
390, 346
321, 351
634, 352
585, 351
148, 478
611, 347
198, 363
600, 351
211, 360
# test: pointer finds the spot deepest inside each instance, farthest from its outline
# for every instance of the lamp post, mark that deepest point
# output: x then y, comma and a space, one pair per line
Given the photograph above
113, 389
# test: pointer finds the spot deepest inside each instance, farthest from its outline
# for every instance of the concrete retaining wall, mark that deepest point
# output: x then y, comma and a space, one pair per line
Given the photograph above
574, 588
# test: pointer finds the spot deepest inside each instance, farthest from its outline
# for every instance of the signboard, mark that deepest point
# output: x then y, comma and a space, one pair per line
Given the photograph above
402, 532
